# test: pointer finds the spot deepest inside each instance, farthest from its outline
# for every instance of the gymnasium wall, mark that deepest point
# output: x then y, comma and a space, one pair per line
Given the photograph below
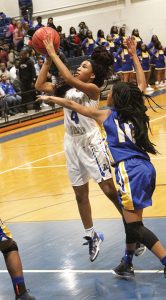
147, 15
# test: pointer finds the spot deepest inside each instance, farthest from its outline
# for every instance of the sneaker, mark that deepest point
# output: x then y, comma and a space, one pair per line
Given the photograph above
124, 270
161, 84
25, 296
149, 89
94, 244
156, 83
139, 249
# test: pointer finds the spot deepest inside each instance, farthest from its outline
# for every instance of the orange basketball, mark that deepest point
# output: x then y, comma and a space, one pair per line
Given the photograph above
40, 35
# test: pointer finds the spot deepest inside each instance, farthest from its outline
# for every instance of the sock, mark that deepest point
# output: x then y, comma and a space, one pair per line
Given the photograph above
90, 232
19, 285
163, 261
128, 256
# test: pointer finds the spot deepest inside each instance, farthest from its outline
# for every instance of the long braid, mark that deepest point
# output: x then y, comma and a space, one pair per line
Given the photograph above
129, 102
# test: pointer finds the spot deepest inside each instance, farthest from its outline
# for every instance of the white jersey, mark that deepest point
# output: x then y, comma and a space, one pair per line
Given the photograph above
75, 123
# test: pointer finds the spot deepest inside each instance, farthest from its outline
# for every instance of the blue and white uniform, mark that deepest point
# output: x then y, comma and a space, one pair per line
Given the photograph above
135, 174
84, 146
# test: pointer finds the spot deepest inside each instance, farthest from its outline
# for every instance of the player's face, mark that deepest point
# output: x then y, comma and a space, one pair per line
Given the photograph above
85, 72
109, 98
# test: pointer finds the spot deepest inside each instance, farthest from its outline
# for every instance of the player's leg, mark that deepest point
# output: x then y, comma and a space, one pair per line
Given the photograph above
13, 263
93, 239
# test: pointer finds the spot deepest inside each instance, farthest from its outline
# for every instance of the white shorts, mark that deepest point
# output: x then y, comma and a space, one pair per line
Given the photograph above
87, 158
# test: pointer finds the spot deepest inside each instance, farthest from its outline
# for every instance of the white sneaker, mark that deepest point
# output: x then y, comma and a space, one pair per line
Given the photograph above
149, 88
156, 83
161, 84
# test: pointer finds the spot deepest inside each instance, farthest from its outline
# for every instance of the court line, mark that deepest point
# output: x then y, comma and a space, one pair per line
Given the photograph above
15, 168
42, 167
158, 158
158, 118
69, 271
31, 162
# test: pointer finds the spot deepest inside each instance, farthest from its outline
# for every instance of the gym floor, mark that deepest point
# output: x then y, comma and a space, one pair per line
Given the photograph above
38, 205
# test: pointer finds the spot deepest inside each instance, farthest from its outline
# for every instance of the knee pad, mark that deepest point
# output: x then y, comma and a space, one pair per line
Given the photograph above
141, 234
130, 239
8, 246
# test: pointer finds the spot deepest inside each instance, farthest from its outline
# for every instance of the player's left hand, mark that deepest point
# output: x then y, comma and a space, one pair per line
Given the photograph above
44, 98
48, 43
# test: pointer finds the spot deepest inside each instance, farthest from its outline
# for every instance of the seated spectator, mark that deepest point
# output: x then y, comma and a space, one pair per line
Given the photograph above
50, 23
18, 36
39, 23
3, 56
2, 106
3, 70
39, 64
12, 99
25, 19
14, 71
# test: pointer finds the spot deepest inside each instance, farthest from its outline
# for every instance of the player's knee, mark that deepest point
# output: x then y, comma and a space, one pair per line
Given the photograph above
8, 246
141, 234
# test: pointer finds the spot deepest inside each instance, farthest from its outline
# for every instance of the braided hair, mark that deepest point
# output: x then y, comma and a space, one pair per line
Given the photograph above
128, 100
101, 61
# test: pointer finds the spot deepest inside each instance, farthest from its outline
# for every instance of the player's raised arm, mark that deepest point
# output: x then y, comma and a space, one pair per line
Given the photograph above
41, 82
92, 112
87, 87
131, 46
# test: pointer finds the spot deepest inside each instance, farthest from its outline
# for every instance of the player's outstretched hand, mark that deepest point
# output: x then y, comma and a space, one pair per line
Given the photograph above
48, 43
44, 98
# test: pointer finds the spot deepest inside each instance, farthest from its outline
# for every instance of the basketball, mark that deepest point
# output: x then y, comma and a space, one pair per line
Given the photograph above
40, 35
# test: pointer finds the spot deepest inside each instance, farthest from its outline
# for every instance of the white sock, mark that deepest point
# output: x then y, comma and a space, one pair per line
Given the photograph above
90, 232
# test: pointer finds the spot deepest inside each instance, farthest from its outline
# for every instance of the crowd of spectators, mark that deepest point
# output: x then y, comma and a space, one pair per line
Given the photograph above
20, 64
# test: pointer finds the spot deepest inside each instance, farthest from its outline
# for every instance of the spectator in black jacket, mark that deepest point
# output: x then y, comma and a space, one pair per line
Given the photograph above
27, 76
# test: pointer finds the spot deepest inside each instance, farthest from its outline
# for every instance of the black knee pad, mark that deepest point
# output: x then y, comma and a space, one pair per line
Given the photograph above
130, 239
10, 247
141, 234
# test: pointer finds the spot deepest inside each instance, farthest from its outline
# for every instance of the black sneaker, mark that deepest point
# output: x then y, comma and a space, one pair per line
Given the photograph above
25, 296
124, 270
94, 244
139, 249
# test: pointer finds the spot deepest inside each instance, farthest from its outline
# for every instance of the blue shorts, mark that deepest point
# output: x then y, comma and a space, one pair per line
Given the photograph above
136, 178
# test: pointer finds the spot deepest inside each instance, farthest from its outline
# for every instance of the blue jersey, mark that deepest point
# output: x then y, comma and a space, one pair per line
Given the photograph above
121, 140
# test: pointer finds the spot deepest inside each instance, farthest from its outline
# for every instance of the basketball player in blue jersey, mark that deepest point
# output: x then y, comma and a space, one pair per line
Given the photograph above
84, 146
9, 249
126, 126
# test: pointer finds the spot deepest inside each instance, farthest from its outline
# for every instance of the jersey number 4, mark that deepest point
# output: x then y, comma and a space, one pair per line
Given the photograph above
74, 117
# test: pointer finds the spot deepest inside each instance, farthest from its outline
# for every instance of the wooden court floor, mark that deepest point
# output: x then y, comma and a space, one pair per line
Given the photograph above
37, 202
34, 181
